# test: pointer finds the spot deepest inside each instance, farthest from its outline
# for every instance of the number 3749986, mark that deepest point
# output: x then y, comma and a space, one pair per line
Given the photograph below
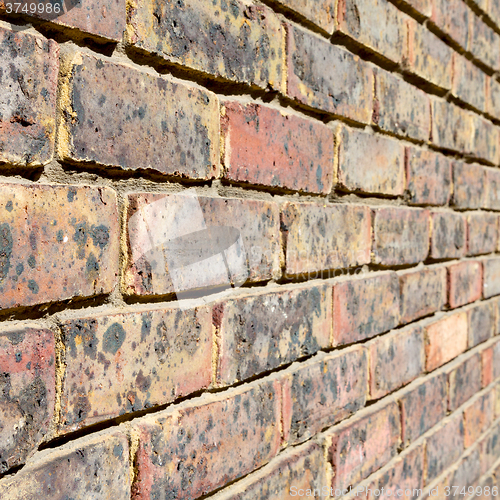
27, 7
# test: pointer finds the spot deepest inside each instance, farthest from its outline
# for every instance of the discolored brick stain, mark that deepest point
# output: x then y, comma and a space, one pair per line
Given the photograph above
6, 244
113, 338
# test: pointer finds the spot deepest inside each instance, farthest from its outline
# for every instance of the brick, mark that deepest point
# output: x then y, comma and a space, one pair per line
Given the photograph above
427, 56
497, 400
469, 182
485, 139
57, 242
361, 19
321, 13
465, 283
266, 147
252, 247
423, 7
422, 293
120, 117
467, 473
449, 233
478, 416
437, 489
94, 466
484, 483
263, 331
444, 446
370, 163
464, 380
423, 405
446, 338
292, 473
495, 304
493, 97
339, 236
428, 177
28, 76
343, 87
487, 366
453, 18
496, 360
325, 392
452, 127
125, 362
27, 384
493, 10
482, 233
363, 445
468, 82
491, 273
492, 189
395, 360
480, 323
364, 307
484, 43
489, 448
401, 236
198, 441
244, 43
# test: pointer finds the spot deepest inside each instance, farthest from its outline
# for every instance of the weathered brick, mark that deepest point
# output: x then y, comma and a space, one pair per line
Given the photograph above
263, 331
497, 400
264, 146
492, 188
56, 242
207, 444
469, 82
492, 9
478, 416
485, 139
27, 382
444, 446
496, 360
342, 87
464, 380
95, 466
485, 483
123, 362
28, 78
395, 360
469, 183
117, 116
481, 320
427, 56
361, 21
491, 274
465, 283
489, 448
495, 304
423, 7
370, 163
364, 307
487, 366
448, 238
493, 97
484, 43
446, 338
423, 405
247, 228
453, 18
422, 292
319, 12
428, 177
482, 233
338, 236
401, 236
325, 392
467, 473
363, 445
452, 127
243, 43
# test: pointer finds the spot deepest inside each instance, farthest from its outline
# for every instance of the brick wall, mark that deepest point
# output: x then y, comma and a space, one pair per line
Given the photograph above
353, 146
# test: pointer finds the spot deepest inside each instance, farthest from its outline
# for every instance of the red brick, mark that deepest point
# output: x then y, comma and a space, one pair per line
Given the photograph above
319, 12
481, 318
246, 47
491, 272
469, 182
264, 146
395, 360
428, 177
493, 97
325, 392
469, 82
342, 87
27, 383
207, 444
484, 43
57, 242
401, 236
446, 338
464, 380
338, 236
482, 233
497, 400
489, 448
363, 445
478, 416
423, 7
263, 331
364, 307
361, 21
444, 446
422, 292
485, 139
452, 17
118, 116
465, 283
427, 56
492, 189
448, 238
28, 116
95, 466
129, 361
370, 163
256, 224
487, 366
467, 473
422, 405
